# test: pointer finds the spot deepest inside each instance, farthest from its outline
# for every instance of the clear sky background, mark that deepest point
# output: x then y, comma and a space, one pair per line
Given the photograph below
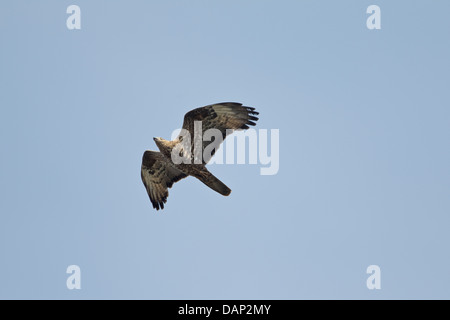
364, 120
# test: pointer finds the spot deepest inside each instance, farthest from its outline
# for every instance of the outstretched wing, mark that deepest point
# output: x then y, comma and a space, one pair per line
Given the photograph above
158, 174
225, 117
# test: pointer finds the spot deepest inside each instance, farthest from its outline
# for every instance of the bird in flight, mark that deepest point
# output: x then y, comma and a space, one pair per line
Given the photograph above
159, 171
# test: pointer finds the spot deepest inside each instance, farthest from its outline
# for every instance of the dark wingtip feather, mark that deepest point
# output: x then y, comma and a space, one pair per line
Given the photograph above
157, 205
251, 110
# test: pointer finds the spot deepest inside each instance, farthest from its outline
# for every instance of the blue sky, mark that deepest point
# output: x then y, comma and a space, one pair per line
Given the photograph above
364, 159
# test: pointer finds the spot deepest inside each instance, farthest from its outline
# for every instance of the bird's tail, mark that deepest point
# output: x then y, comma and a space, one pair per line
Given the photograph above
211, 181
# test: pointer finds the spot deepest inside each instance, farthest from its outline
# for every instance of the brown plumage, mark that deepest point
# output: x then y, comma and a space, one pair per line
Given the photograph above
159, 172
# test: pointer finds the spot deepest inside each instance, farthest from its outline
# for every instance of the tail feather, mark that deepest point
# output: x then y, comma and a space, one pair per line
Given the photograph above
211, 181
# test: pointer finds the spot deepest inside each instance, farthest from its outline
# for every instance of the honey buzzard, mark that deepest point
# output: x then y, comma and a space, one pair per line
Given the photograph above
159, 172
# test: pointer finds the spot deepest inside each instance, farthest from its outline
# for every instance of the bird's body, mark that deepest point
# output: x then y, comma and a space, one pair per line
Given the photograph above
159, 171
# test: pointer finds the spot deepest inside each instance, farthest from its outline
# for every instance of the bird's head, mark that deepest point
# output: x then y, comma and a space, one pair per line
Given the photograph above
161, 143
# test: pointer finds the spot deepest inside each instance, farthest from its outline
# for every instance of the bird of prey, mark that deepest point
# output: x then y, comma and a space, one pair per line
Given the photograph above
159, 172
